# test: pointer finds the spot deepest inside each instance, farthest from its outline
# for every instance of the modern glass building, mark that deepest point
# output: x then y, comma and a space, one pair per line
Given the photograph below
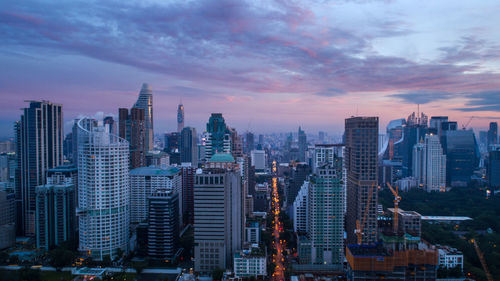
462, 155
218, 138
145, 102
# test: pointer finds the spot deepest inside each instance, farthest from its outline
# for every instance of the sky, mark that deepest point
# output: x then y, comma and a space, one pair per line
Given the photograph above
268, 66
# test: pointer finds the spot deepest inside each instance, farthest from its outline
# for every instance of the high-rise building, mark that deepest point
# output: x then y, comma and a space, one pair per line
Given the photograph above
108, 120
7, 219
188, 175
218, 218
88, 124
218, 136
436, 123
429, 164
413, 131
494, 166
462, 157
163, 224
492, 134
249, 142
145, 102
55, 207
39, 148
133, 129
302, 145
300, 211
325, 201
236, 143
180, 118
360, 155
103, 192
298, 174
189, 146
259, 160
145, 181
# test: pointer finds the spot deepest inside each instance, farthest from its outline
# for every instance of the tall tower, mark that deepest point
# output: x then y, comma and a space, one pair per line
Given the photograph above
133, 129
361, 150
145, 101
103, 192
492, 134
180, 118
189, 146
218, 136
39, 148
302, 145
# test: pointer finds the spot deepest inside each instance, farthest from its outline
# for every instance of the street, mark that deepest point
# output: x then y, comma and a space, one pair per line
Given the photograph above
279, 245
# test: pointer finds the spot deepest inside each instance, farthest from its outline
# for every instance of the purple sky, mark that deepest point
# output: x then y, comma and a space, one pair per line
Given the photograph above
267, 66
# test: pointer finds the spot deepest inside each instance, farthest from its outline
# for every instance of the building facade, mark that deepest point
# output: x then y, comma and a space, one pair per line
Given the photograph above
180, 118
39, 148
429, 164
189, 146
361, 155
133, 129
218, 136
145, 102
103, 192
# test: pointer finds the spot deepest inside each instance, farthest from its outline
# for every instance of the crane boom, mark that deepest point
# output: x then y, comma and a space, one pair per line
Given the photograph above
360, 226
397, 199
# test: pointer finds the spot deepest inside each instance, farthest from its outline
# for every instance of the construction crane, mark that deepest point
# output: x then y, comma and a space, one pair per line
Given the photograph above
360, 225
464, 126
482, 260
397, 199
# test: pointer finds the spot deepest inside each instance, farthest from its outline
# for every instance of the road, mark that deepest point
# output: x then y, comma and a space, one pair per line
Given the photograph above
279, 245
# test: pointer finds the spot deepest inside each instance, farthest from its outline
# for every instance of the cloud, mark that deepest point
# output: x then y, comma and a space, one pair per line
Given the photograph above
330, 92
482, 101
423, 96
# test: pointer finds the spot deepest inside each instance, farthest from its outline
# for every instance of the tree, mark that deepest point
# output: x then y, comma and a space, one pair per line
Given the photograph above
139, 266
217, 274
28, 274
61, 257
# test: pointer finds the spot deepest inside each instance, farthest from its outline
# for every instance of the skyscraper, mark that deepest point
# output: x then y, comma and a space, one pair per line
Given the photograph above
103, 192
133, 129
218, 218
145, 102
429, 164
462, 157
302, 145
189, 146
436, 123
249, 142
39, 148
180, 118
492, 134
163, 224
361, 140
218, 138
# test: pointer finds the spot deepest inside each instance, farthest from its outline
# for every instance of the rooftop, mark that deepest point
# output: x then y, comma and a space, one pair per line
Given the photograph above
154, 171
222, 157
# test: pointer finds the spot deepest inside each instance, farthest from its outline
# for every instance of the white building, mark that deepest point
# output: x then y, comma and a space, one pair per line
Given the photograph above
259, 160
249, 263
300, 209
450, 257
325, 153
103, 192
429, 164
406, 184
145, 181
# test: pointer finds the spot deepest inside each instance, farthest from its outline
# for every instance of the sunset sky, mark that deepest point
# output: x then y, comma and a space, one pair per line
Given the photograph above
267, 66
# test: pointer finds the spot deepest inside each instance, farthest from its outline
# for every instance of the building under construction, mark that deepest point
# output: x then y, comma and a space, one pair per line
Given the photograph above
400, 254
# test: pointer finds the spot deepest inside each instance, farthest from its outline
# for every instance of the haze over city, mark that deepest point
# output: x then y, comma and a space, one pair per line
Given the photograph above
267, 66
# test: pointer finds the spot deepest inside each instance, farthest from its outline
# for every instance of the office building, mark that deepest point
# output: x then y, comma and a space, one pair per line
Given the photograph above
462, 157
163, 225
298, 174
493, 166
259, 160
88, 124
112, 127
7, 219
133, 129
236, 143
55, 208
180, 118
187, 181
218, 218
157, 158
103, 192
252, 233
429, 164
436, 124
39, 148
361, 154
218, 136
302, 142
249, 142
145, 102
189, 146
414, 130
145, 181
492, 134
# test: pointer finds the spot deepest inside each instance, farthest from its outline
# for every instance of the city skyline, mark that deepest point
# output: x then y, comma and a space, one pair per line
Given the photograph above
299, 65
